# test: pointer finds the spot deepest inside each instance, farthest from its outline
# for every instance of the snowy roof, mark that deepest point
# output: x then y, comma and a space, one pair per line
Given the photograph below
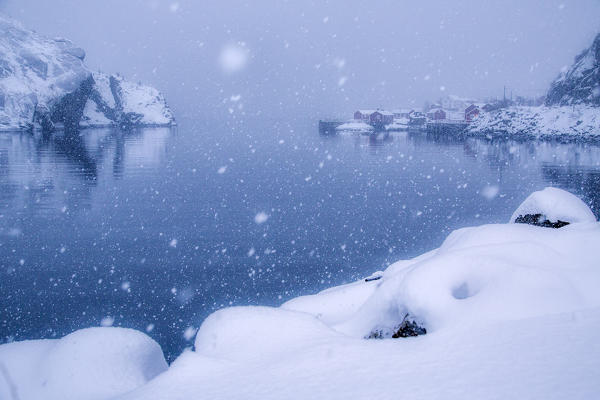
384, 112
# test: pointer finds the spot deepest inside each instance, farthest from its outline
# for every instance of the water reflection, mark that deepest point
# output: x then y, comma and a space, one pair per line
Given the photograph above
38, 172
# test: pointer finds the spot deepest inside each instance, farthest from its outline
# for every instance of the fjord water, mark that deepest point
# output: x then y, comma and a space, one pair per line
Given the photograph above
156, 228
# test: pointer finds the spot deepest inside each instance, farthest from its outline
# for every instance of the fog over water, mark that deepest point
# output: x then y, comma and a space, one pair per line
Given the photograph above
320, 58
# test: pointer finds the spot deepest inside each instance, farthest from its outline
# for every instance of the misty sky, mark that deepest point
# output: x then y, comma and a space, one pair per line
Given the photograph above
320, 58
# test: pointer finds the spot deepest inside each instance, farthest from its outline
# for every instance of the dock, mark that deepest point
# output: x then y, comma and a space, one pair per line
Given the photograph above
446, 126
328, 127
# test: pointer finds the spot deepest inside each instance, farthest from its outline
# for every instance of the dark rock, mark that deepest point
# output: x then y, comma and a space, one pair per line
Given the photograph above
539, 220
407, 328
70, 107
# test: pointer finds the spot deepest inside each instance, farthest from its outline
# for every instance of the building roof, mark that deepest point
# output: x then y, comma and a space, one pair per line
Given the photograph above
384, 112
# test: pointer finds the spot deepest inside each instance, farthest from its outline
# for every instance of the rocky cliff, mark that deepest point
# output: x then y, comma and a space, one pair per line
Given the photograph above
580, 84
44, 84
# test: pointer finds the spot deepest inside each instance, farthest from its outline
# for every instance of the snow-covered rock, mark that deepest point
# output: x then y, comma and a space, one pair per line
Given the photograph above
94, 363
580, 84
543, 121
113, 100
45, 84
554, 205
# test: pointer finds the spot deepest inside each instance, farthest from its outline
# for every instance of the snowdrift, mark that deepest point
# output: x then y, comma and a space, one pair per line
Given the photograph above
510, 310
93, 363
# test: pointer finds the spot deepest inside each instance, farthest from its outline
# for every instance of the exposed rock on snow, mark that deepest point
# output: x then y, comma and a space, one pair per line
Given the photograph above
94, 363
45, 84
580, 84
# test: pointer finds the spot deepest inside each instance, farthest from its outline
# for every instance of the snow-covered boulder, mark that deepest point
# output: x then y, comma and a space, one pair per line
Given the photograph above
45, 84
554, 205
243, 333
94, 363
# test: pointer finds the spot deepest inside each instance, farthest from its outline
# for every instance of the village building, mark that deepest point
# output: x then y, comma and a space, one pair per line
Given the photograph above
363, 115
455, 103
402, 113
380, 118
436, 114
471, 112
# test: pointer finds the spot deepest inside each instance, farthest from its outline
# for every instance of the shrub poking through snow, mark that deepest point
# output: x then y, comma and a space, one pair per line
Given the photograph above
407, 328
539, 220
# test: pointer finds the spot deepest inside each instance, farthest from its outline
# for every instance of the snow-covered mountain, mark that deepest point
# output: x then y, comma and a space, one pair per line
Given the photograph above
45, 84
580, 84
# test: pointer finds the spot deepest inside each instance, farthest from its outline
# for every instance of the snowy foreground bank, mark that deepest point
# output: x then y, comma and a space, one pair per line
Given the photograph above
511, 311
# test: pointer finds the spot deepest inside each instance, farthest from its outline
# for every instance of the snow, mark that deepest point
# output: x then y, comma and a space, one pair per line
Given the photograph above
261, 217
555, 204
93, 363
233, 58
354, 126
511, 310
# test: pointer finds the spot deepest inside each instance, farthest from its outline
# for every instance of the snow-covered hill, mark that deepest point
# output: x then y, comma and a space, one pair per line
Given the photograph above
45, 84
510, 311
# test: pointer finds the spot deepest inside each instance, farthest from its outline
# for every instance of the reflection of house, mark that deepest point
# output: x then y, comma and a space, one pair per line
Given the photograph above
471, 112
436, 114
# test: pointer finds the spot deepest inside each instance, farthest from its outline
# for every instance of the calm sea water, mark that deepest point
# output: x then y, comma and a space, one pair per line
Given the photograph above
157, 228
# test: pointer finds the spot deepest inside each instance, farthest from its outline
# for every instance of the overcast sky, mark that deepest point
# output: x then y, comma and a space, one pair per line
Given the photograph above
320, 58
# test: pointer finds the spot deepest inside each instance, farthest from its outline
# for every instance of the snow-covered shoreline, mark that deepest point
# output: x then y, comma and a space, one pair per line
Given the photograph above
544, 122
511, 310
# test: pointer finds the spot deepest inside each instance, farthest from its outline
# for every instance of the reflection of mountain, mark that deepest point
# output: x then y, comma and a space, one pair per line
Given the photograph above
41, 173
584, 181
